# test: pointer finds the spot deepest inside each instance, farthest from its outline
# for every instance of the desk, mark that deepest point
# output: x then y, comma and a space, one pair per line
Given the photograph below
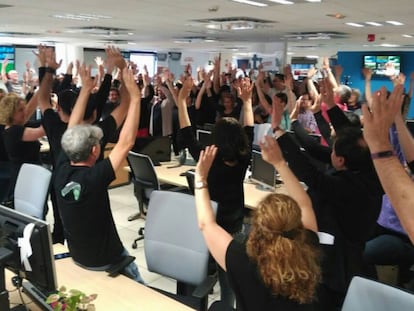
119, 293
252, 194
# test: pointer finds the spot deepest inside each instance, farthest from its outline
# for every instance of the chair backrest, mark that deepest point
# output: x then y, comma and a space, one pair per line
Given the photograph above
173, 243
142, 170
31, 190
368, 295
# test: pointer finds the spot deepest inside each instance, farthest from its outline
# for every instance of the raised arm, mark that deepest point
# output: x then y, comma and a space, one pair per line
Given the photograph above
367, 75
3, 70
259, 88
245, 94
128, 133
183, 117
216, 74
88, 83
272, 154
330, 75
46, 56
397, 184
313, 92
217, 239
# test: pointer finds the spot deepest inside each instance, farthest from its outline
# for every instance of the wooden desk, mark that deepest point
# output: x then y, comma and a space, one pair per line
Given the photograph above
119, 293
122, 177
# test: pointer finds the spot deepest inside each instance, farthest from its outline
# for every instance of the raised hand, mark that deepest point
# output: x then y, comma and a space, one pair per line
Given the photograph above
367, 73
88, 82
185, 89
129, 82
41, 55
271, 152
378, 121
245, 90
204, 162
51, 59
296, 108
277, 111
311, 72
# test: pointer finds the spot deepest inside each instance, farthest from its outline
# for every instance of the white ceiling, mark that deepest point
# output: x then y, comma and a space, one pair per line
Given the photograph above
155, 25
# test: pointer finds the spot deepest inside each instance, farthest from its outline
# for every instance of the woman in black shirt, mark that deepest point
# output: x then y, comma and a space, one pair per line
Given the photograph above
278, 268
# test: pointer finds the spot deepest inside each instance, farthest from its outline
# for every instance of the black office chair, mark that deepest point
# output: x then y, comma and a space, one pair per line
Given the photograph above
145, 181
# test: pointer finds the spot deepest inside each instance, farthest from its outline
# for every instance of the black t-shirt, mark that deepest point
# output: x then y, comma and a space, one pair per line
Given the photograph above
88, 224
225, 183
54, 128
251, 293
20, 151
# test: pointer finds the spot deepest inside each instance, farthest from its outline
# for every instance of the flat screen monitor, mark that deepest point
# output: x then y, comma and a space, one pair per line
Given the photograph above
8, 52
410, 126
204, 137
38, 270
383, 65
157, 148
263, 172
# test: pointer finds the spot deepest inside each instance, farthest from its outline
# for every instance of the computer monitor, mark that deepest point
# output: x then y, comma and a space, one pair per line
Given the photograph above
263, 173
204, 137
157, 148
38, 269
410, 125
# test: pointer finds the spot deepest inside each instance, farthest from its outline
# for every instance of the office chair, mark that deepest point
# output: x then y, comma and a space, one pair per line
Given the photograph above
31, 190
368, 295
174, 247
145, 181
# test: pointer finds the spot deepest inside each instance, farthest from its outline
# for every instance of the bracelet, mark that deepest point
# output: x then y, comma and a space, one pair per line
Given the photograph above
383, 154
50, 70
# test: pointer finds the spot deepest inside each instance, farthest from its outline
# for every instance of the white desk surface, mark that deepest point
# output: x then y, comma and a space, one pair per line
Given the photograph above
171, 175
119, 293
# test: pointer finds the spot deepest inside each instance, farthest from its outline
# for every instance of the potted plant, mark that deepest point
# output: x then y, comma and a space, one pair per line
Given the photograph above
71, 300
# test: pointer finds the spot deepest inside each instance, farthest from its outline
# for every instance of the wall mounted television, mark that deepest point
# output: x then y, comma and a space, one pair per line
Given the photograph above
383, 65
9, 52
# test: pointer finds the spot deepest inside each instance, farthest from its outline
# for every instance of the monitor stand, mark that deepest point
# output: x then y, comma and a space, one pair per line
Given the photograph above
265, 188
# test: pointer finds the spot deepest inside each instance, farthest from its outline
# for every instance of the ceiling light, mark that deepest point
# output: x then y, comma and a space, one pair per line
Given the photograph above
81, 17
354, 24
313, 0
282, 1
389, 45
407, 36
373, 24
395, 23
255, 3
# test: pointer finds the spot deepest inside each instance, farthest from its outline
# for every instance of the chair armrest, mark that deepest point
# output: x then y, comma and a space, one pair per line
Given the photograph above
205, 287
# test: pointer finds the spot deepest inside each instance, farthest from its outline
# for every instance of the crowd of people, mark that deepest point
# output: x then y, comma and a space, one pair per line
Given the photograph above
357, 171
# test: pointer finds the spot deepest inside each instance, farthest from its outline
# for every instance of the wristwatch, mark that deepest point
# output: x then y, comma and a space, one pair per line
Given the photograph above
200, 184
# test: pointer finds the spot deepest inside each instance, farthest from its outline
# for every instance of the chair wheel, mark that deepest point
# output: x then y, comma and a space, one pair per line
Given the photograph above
134, 245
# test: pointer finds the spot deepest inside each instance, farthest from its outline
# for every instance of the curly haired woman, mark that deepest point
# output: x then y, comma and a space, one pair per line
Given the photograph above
278, 267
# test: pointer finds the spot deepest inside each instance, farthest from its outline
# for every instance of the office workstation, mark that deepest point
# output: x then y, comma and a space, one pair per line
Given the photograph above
373, 40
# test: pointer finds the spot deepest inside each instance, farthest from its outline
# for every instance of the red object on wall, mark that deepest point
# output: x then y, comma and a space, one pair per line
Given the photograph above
371, 37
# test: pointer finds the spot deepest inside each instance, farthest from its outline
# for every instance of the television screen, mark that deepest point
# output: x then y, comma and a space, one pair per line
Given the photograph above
8, 52
383, 65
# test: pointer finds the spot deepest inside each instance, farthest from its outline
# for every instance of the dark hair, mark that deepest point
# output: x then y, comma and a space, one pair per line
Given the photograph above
353, 118
280, 76
66, 100
283, 97
230, 139
350, 144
